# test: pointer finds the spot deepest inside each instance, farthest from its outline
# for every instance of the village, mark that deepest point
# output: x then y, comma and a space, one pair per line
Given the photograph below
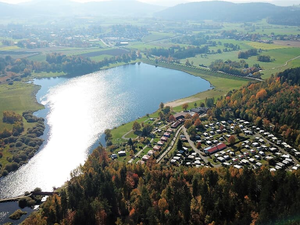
235, 142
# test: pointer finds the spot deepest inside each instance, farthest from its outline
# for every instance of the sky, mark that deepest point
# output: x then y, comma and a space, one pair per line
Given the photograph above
175, 2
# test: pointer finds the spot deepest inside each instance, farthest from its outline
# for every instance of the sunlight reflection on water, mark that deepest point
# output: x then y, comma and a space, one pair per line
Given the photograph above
81, 108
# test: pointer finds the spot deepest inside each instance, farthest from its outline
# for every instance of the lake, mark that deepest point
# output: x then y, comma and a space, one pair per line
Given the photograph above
79, 109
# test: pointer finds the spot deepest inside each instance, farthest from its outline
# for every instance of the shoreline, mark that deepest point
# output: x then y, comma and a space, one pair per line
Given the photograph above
213, 91
35, 96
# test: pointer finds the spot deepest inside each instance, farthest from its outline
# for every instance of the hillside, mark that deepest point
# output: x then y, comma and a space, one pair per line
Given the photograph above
107, 192
226, 11
273, 103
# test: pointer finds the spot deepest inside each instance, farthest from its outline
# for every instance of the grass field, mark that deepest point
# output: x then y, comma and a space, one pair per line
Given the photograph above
100, 57
264, 46
39, 57
111, 52
46, 75
19, 97
8, 48
155, 36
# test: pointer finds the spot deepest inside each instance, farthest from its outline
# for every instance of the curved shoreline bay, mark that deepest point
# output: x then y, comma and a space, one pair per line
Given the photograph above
78, 110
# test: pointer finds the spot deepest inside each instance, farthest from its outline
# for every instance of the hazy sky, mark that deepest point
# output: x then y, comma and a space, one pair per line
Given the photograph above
174, 2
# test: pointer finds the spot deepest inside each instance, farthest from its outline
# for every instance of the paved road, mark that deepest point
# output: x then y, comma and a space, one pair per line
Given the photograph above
191, 143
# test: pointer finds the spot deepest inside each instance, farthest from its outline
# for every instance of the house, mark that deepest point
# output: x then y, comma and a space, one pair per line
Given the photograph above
146, 157
221, 159
216, 148
169, 130
200, 110
164, 139
150, 152
157, 148
175, 124
167, 134
179, 116
160, 143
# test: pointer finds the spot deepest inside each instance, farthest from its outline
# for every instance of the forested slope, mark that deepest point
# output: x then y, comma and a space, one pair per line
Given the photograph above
274, 103
104, 192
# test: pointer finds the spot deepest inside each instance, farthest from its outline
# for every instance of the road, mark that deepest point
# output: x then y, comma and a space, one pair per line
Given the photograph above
170, 146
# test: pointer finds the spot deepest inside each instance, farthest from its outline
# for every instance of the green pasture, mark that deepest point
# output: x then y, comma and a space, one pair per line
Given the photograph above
19, 97
265, 46
8, 48
79, 51
100, 57
46, 75
156, 36
38, 58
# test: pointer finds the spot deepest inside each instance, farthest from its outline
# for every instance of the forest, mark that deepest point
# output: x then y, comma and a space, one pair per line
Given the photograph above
22, 144
108, 192
273, 103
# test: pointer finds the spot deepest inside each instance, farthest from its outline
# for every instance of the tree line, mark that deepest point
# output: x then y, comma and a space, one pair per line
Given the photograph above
240, 68
177, 52
58, 62
247, 54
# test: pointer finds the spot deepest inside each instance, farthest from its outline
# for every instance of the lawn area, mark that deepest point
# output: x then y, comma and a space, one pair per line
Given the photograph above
264, 46
155, 36
141, 46
8, 48
118, 132
38, 58
100, 57
46, 75
79, 51
19, 97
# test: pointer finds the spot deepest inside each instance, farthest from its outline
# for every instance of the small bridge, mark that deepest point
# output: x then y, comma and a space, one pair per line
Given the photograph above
33, 193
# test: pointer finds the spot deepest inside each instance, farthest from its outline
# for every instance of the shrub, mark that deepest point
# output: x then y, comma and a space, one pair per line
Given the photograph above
17, 214
4, 173
11, 166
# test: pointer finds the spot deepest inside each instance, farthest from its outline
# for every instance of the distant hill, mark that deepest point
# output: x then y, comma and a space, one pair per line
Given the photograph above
226, 11
68, 8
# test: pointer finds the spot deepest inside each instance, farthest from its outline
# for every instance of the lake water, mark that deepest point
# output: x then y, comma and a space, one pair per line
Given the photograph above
78, 110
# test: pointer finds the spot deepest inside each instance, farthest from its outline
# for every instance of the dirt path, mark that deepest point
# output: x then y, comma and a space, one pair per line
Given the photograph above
286, 63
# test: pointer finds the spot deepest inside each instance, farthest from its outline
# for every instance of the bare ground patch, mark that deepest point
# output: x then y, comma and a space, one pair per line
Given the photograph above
288, 43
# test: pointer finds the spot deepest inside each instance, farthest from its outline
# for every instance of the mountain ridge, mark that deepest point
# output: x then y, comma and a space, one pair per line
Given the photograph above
69, 8
224, 11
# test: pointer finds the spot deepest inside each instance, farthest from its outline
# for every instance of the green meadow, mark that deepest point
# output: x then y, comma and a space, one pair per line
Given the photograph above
19, 97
